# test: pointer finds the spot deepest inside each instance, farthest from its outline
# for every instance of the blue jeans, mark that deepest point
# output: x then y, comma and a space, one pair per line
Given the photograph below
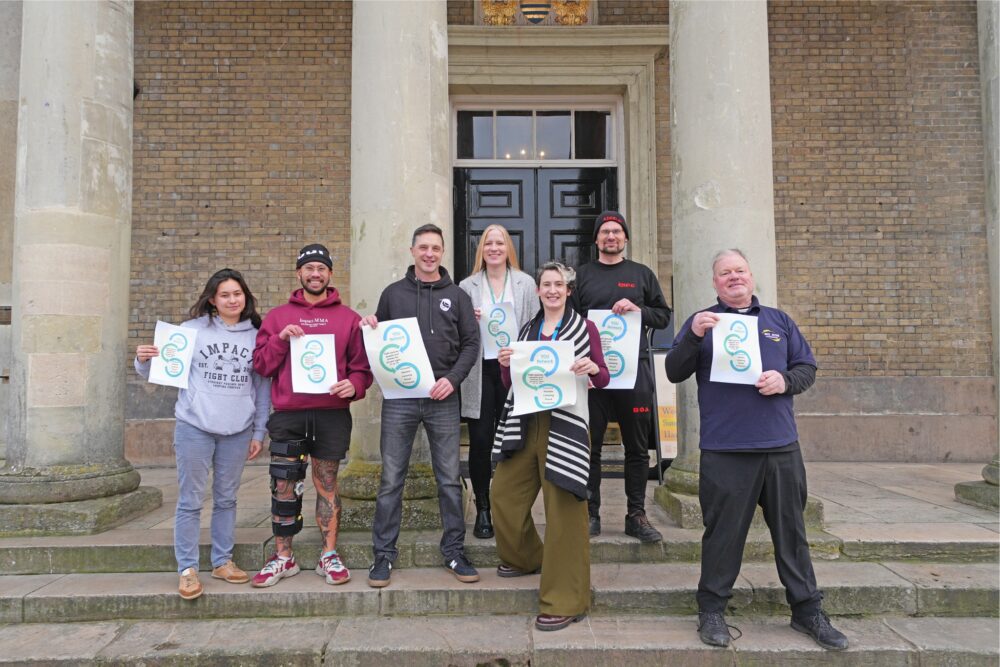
400, 418
198, 452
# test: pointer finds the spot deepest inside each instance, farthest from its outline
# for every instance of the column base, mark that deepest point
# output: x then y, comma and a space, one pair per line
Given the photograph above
63, 484
80, 517
979, 494
685, 509
359, 484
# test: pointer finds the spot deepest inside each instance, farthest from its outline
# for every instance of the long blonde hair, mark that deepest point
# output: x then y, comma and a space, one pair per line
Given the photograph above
480, 261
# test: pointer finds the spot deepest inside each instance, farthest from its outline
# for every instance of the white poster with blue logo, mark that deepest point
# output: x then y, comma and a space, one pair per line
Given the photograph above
173, 365
398, 358
498, 327
620, 335
735, 350
314, 363
541, 376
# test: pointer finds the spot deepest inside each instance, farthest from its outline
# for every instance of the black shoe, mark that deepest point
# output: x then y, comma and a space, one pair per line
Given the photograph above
507, 571
379, 572
460, 566
712, 628
484, 524
595, 526
638, 526
818, 627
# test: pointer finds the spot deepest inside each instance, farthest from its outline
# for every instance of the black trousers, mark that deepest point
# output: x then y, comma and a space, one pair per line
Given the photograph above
730, 488
633, 410
482, 430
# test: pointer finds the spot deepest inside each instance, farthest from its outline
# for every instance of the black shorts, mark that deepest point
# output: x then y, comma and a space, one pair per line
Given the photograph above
327, 433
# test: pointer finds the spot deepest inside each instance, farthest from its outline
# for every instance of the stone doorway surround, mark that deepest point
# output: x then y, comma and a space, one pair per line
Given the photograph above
484, 60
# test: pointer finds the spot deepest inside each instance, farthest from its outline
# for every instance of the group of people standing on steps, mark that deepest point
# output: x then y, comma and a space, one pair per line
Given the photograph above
222, 417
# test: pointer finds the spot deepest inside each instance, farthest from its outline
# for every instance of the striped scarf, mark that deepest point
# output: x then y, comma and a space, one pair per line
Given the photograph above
567, 461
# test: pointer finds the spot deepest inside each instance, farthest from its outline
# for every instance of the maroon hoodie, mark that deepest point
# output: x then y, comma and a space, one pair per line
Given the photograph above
271, 358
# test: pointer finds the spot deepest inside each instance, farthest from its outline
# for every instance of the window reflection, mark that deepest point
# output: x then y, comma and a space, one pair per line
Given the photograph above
514, 135
593, 135
475, 135
553, 135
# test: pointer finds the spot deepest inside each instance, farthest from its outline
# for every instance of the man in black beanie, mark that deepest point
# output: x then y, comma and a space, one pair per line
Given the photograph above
621, 285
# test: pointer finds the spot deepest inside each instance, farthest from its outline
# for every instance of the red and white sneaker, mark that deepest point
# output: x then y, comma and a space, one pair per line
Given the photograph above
274, 570
331, 567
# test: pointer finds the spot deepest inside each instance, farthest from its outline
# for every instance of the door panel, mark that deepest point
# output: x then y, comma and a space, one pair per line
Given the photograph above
549, 213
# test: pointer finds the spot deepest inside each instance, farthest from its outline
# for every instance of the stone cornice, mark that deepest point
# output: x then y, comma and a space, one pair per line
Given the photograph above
655, 37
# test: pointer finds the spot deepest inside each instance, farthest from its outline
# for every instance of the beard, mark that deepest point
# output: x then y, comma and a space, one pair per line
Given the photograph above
617, 249
314, 292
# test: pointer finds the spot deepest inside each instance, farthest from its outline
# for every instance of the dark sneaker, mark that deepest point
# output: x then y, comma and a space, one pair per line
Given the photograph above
712, 628
505, 571
818, 627
595, 526
483, 528
548, 622
638, 526
379, 572
461, 567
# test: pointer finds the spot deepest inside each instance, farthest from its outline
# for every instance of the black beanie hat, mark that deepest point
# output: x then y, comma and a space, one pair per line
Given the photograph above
611, 216
314, 252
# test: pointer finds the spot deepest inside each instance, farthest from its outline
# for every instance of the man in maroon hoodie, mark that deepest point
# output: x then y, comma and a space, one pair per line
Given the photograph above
313, 425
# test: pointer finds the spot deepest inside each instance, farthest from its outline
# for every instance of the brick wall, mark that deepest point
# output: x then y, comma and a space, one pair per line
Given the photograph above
879, 185
632, 12
241, 148
461, 12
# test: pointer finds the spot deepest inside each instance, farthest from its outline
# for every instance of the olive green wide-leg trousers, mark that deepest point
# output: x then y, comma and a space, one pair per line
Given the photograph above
565, 556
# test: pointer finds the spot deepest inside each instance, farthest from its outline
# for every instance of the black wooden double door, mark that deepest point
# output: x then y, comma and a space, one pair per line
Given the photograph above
549, 213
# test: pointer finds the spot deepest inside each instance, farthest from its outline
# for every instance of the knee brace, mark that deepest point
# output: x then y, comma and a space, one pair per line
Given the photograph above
288, 464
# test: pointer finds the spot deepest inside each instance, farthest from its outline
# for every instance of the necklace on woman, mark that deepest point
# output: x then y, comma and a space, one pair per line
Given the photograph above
503, 290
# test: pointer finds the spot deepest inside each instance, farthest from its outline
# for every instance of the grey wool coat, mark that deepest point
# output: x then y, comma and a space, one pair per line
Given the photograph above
525, 306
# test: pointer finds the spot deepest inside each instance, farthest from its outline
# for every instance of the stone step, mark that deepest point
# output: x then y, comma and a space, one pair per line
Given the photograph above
894, 588
152, 550
598, 640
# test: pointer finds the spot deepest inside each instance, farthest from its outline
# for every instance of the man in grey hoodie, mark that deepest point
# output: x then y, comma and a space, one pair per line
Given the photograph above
450, 334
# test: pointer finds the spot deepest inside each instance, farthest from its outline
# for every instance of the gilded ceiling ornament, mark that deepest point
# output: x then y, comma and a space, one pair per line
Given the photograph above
499, 12
571, 12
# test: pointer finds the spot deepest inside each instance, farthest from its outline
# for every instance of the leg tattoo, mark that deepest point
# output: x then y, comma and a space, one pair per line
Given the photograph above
284, 490
328, 506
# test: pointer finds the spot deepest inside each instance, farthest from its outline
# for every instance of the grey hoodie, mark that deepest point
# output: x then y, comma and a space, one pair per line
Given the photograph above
224, 395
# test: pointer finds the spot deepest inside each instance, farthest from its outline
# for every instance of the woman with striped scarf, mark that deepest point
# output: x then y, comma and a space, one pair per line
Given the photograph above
549, 450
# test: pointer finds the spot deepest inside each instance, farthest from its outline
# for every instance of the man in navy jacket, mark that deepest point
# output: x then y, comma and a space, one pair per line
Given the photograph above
750, 455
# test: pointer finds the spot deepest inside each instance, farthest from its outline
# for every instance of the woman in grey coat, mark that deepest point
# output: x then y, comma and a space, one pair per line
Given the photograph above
497, 279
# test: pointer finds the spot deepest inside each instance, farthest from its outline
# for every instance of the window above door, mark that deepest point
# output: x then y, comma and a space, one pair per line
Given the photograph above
518, 135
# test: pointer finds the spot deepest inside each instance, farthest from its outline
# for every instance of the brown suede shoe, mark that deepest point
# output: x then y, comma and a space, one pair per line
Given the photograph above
190, 588
230, 573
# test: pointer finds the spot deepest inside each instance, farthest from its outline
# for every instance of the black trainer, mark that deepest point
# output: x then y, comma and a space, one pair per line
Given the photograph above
379, 572
595, 526
818, 627
712, 628
638, 526
462, 568
483, 528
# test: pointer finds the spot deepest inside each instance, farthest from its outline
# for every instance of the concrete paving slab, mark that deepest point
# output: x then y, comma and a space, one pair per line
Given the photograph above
953, 589
430, 642
771, 642
946, 642
95, 597
273, 642
932, 541
628, 642
436, 591
654, 588
55, 643
12, 592
848, 588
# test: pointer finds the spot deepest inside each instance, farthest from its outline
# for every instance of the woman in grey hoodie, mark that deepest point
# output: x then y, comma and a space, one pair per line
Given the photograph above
221, 419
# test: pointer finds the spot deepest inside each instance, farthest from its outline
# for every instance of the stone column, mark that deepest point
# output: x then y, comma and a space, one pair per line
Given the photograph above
73, 202
722, 184
400, 179
984, 493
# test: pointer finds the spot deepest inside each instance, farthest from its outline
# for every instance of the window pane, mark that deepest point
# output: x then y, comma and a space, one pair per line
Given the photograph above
475, 134
514, 135
553, 135
593, 135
